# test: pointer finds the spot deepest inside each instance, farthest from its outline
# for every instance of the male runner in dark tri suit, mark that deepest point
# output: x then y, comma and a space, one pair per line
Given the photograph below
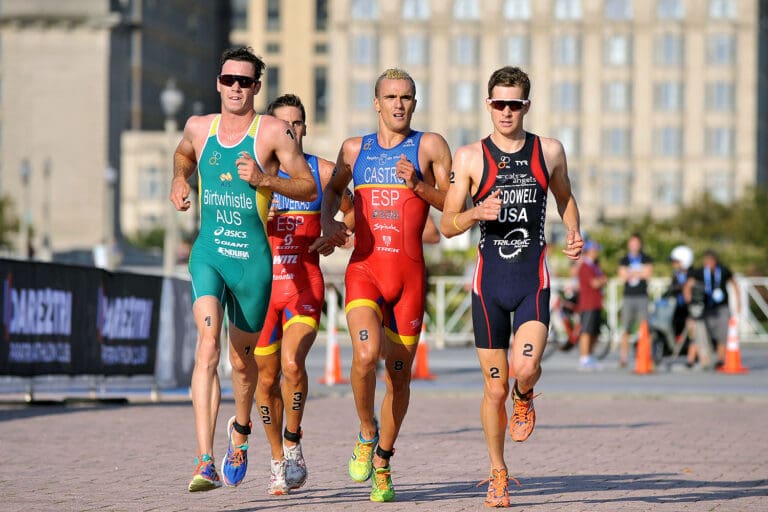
508, 175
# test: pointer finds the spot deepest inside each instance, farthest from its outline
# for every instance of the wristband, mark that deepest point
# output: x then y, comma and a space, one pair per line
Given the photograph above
456, 225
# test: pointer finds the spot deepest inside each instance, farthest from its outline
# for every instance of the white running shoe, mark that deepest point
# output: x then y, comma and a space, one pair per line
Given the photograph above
295, 467
277, 484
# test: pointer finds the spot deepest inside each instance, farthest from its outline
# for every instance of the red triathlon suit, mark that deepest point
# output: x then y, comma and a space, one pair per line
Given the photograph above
297, 282
386, 271
511, 273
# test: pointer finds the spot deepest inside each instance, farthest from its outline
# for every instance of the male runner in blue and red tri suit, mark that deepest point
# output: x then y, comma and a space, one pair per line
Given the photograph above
508, 175
398, 173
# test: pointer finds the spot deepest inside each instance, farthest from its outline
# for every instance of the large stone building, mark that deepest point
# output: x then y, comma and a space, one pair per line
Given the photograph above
74, 75
656, 101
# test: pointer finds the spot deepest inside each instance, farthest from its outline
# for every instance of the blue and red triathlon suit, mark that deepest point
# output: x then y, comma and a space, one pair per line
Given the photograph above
511, 273
297, 282
386, 270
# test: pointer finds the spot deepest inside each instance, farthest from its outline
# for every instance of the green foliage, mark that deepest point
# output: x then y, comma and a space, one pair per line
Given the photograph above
149, 239
738, 232
9, 223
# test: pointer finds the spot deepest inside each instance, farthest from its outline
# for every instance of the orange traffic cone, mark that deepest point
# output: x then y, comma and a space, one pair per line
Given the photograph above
643, 358
421, 363
732, 352
332, 373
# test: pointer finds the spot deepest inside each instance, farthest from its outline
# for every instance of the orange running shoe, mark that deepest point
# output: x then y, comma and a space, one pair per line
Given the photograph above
498, 488
523, 415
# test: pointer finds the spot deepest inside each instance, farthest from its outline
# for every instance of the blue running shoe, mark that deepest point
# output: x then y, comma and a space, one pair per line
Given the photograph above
205, 477
235, 463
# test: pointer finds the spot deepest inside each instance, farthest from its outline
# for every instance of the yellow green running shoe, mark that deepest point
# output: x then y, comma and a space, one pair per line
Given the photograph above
381, 488
361, 462
205, 477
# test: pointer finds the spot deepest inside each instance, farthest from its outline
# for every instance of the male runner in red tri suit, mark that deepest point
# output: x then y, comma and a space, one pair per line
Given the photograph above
398, 173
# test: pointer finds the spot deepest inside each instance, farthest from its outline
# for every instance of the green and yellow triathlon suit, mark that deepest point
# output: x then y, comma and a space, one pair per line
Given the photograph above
231, 258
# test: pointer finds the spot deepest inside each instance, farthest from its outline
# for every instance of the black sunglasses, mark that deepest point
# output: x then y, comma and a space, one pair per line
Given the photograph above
229, 80
514, 105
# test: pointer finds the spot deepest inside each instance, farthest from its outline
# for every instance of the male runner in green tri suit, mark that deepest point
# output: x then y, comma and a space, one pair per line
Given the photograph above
237, 155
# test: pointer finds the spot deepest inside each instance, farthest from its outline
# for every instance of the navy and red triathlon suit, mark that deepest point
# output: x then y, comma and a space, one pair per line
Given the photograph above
511, 273
386, 270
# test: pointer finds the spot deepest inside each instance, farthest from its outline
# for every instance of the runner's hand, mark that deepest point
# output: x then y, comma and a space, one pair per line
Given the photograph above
322, 246
248, 170
336, 233
406, 172
179, 195
573, 244
490, 207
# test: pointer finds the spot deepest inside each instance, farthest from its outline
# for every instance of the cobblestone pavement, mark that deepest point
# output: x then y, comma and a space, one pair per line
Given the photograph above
608, 441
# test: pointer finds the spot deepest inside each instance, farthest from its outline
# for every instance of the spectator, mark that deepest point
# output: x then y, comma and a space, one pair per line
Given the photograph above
590, 305
634, 270
715, 277
682, 259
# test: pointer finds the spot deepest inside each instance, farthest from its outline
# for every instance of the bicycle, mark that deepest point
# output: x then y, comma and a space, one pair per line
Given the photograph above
565, 328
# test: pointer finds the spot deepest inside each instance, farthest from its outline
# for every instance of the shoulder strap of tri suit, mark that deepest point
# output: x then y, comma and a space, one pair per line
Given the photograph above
254, 128
214, 126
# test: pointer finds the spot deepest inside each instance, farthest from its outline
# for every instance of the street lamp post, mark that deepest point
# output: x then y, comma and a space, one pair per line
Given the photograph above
110, 180
171, 99
46, 251
25, 170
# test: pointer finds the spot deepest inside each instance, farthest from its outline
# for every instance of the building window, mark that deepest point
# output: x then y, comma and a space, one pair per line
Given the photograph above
568, 9
272, 82
517, 50
617, 141
617, 96
462, 135
670, 49
466, 9
321, 94
566, 96
321, 15
364, 50
670, 10
722, 9
668, 141
239, 12
321, 48
273, 15
668, 187
414, 50
362, 96
719, 142
273, 47
466, 50
719, 186
668, 96
365, 9
517, 9
618, 9
465, 96
570, 138
618, 50
616, 187
721, 49
566, 50
415, 9
422, 95
152, 183
720, 97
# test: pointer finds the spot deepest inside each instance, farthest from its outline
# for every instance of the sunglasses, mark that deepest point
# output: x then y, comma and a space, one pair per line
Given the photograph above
514, 105
229, 80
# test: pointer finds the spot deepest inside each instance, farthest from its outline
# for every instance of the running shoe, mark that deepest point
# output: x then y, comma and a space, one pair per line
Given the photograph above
361, 462
235, 463
205, 477
381, 488
523, 415
277, 484
498, 488
295, 467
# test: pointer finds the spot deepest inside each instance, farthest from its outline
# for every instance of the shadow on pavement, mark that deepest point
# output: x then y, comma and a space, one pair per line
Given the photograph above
543, 491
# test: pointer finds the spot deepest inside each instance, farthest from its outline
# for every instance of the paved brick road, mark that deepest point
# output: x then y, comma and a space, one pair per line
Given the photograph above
605, 441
